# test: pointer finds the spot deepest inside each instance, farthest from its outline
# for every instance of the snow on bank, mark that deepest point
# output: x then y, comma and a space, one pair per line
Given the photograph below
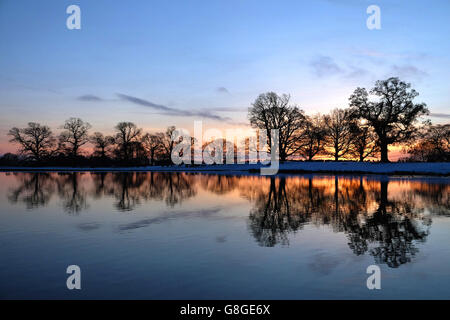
420, 168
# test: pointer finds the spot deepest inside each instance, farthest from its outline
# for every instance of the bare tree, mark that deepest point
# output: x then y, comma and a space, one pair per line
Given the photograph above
101, 143
167, 142
340, 136
393, 116
311, 140
364, 143
433, 144
271, 111
74, 136
153, 144
127, 134
35, 140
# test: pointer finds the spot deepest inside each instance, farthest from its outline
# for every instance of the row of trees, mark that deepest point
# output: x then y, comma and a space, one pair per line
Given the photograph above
362, 131
128, 145
365, 129
337, 135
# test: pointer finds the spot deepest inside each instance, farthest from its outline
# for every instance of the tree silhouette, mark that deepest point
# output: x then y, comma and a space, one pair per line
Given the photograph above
153, 144
35, 140
340, 134
433, 144
393, 115
311, 139
101, 144
168, 143
127, 134
74, 136
364, 142
271, 111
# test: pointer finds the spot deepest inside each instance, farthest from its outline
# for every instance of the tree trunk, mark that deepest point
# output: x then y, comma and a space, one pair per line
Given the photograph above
383, 197
384, 151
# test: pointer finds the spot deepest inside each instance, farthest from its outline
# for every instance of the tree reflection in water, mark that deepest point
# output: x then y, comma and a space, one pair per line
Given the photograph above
35, 189
380, 216
386, 227
129, 189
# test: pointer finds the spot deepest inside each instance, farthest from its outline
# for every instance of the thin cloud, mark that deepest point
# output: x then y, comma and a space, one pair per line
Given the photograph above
205, 213
324, 66
229, 109
89, 97
357, 72
172, 111
440, 115
407, 71
223, 90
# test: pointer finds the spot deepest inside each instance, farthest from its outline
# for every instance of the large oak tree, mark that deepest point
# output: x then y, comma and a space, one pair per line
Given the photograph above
35, 140
272, 111
393, 115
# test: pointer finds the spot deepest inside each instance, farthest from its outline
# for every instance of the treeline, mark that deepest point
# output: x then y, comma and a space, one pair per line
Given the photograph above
374, 120
362, 131
129, 146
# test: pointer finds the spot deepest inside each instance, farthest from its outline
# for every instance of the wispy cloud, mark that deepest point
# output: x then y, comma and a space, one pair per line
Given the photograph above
324, 66
17, 84
229, 109
204, 213
356, 72
407, 71
172, 111
223, 90
440, 115
89, 97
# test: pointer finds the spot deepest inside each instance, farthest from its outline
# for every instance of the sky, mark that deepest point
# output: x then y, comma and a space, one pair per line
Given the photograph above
161, 63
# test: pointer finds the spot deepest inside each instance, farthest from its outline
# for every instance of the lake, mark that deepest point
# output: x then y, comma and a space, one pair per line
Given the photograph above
205, 236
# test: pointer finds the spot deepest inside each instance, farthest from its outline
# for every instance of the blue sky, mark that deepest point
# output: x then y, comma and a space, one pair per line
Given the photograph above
159, 63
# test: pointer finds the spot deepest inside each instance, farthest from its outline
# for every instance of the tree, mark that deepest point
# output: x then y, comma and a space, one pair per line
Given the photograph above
364, 142
167, 142
340, 136
35, 140
74, 136
101, 143
311, 140
433, 144
127, 134
271, 111
153, 144
393, 115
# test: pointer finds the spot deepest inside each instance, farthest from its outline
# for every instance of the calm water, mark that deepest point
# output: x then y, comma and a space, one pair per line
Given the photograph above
176, 236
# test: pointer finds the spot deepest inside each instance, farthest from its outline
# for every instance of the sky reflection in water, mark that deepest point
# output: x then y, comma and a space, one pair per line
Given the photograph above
176, 235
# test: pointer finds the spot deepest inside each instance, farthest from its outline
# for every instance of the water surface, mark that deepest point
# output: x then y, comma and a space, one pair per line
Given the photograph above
200, 236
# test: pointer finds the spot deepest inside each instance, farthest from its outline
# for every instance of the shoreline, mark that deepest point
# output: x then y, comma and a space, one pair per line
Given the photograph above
393, 168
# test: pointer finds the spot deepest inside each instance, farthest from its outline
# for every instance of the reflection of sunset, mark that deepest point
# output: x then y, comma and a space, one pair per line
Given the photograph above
379, 215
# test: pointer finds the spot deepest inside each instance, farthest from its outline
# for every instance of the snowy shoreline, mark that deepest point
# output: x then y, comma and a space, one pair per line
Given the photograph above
395, 168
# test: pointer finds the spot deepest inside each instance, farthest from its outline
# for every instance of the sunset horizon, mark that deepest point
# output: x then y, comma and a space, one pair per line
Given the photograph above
225, 159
